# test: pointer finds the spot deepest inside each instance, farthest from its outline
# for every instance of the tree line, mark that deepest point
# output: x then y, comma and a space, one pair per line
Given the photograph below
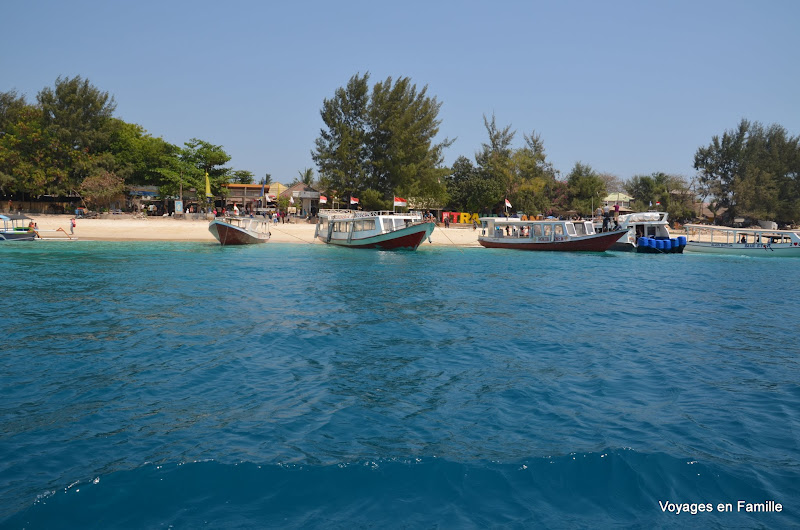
377, 142
68, 143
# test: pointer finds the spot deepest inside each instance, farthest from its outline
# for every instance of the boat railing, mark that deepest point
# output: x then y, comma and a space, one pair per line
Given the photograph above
357, 214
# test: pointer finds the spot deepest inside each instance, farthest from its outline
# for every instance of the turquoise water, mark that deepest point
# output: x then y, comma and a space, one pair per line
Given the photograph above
187, 385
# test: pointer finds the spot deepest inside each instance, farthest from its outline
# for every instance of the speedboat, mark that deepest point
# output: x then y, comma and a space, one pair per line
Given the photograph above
240, 230
544, 234
380, 230
760, 242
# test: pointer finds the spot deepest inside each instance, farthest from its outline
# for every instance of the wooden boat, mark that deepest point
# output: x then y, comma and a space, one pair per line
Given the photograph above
760, 242
379, 230
240, 230
647, 233
545, 234
17, 227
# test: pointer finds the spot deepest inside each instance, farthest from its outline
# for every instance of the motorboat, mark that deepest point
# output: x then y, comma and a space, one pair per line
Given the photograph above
545, 234
760, 242
382, 230
646, 232
234, 230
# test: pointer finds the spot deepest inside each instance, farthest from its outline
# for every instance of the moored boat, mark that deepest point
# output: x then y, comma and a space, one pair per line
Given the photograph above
544, 234
647, 233
240, 230
17, 227
760, 242
378, 230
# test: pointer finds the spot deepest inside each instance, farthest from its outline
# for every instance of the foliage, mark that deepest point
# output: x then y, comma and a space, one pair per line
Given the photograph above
521, 175
101, 189
372, 200
241, 176
753, 171
586, 189
381, 141
669, 193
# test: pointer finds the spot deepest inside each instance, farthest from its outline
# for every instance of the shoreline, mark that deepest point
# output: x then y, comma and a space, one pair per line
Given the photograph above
124, 227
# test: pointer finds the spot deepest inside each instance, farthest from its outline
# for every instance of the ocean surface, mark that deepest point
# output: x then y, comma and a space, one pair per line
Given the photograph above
186, 385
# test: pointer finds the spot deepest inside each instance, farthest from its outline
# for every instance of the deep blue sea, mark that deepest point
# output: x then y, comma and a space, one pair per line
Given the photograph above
186, 385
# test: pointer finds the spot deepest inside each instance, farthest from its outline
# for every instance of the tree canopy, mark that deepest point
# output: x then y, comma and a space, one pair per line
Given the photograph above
69, 143
381, 141
752, 171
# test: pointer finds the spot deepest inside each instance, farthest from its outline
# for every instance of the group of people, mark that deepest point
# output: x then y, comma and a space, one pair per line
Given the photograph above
605, 213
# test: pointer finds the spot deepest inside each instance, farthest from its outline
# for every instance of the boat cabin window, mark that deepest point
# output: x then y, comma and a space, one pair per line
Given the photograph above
547, 230
559, 230
537, 230
571, 230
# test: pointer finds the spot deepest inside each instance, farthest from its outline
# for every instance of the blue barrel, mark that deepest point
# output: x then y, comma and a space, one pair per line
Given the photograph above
681, 241
667, 245
642, 242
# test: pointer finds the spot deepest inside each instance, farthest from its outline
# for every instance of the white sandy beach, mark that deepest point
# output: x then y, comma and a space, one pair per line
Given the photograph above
124, 227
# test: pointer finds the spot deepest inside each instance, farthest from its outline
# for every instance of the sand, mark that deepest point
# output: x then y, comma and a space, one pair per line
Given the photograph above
125, 227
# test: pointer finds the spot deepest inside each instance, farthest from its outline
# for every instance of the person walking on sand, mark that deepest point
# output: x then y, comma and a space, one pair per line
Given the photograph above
72, 226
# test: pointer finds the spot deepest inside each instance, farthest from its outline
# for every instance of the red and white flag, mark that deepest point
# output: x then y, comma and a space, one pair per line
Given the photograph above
399, 201
323, 199
508, 204
353, 200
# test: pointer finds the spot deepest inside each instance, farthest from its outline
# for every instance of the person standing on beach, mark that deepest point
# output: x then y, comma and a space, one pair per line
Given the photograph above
72, 226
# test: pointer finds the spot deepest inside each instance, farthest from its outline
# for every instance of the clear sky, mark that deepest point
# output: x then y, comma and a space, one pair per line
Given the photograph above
628, 87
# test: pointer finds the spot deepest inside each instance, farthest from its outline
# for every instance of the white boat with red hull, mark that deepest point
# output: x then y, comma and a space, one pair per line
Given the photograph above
240, 230
544, 234
376, 230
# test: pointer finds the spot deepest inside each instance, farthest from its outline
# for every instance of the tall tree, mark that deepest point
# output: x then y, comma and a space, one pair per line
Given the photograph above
752, 171
402, 125
586, 188
340, 150
494, 159
381, 141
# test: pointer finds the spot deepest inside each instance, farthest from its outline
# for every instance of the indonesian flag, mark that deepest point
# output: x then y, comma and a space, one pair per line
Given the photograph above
508, 204
353, 200
399, 201
323, 199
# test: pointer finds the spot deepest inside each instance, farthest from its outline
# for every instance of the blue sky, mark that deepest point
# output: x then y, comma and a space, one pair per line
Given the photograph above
628, 87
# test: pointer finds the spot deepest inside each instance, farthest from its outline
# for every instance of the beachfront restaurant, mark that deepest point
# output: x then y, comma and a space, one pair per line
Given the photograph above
248, 197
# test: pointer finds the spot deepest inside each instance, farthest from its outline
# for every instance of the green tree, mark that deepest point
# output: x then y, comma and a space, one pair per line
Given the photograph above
373, 200
197, 159
752, 171
241, 176
307, 176
341, 150
402, 124
585, 187
381, 141
494, 159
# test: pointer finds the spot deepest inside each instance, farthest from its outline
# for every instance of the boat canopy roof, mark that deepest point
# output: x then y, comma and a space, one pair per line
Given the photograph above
14, 217
740, 230
344, 215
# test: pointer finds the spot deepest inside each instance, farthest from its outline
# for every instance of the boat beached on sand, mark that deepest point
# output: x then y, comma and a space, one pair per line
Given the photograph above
20, 227
16, 227
760, 242
544, 234
240, 230
379, 230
